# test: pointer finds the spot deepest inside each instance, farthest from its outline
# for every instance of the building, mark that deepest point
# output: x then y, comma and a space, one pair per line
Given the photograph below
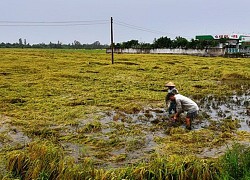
225, 45
232, 43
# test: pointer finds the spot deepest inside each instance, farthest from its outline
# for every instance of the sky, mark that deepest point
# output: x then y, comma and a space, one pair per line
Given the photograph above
87, 21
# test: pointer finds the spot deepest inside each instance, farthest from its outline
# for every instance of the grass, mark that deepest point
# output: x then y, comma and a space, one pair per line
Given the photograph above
235, 163
29, 164
58, 97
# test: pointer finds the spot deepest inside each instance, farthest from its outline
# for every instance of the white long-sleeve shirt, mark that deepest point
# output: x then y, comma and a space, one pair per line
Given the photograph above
183, 103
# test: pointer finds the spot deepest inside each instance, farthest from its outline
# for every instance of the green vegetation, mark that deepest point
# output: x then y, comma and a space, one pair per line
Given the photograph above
162, 42
75, 45
54, 106
235, 163
178, 42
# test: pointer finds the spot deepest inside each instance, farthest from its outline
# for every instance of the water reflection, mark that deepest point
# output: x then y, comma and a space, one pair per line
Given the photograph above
236, 107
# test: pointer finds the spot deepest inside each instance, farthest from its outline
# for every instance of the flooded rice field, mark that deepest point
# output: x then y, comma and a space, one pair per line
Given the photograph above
11, 136
236, 107
116, 138
155, 123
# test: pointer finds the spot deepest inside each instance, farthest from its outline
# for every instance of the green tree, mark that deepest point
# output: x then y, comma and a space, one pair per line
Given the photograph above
162, 42
180, 42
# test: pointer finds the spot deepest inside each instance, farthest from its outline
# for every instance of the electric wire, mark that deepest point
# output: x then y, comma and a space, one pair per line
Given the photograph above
77, 23
137, 27
46, 25
53, 23
143, 29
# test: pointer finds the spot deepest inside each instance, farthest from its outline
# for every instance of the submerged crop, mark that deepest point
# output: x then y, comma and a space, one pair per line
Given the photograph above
88, 114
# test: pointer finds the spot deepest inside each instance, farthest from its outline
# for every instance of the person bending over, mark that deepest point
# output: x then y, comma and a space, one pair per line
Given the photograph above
183, 104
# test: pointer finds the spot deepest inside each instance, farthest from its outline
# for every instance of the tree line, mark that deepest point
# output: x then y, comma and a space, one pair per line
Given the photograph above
75, 45
165, 42
162, 42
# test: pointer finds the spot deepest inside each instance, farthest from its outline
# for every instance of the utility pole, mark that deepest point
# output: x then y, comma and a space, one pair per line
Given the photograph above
112, 43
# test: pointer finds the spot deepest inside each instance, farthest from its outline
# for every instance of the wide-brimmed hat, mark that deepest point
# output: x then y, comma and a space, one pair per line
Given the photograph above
170, 84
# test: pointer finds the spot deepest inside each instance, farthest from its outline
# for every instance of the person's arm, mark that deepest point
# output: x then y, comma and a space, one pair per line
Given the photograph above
166, 101
178, 109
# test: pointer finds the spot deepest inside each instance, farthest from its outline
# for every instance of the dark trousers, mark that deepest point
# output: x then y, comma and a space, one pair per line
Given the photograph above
192, 115
172, 107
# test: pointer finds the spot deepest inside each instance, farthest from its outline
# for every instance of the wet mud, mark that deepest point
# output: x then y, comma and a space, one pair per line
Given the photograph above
211, 108
11, 136
141, 130
157, 121
235, 107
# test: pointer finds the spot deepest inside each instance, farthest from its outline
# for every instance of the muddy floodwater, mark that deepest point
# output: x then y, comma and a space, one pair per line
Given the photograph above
236, 107
150, 124
155, 121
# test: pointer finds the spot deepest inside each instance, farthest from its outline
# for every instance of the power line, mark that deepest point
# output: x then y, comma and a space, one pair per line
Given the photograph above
55, 23
137, 27
46, 25
76, 23
143, 29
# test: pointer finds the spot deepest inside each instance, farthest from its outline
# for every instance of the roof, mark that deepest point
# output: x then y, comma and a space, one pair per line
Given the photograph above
222, 36
204, 37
